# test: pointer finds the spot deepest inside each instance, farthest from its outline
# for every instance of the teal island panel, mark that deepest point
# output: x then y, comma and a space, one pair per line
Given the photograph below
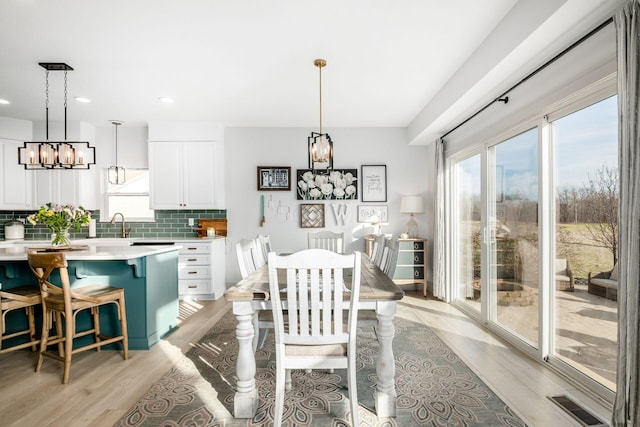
150, 284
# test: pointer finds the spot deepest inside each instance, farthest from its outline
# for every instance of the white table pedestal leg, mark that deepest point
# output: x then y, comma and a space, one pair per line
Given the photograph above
385, 395
246, 398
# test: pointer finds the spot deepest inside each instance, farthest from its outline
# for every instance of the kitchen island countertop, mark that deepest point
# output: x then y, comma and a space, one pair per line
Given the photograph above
18, 252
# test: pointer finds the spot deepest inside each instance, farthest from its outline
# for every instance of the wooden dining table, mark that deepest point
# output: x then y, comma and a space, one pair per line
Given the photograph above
251, 294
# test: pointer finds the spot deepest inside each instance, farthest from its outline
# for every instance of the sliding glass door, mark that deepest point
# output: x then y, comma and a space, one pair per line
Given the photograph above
534, 238
512, 235
585, 240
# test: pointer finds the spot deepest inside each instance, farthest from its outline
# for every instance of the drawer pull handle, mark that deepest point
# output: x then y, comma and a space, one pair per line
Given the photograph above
192, 249
416, 258
193, 272
192, 259
192, 286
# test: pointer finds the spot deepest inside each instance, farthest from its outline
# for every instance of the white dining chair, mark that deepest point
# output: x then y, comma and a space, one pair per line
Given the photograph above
247, 253
326, 240
390, 258
263, 247
313, 299
379, 243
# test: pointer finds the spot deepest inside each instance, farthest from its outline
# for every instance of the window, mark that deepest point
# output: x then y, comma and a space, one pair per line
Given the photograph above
131, 198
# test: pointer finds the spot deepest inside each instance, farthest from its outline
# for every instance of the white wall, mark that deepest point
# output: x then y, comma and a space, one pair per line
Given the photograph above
247, 148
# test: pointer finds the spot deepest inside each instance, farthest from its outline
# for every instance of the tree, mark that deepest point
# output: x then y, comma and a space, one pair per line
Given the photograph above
600, 198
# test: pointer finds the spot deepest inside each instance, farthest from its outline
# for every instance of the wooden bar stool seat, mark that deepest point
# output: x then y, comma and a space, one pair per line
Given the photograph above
24, 297
59, 301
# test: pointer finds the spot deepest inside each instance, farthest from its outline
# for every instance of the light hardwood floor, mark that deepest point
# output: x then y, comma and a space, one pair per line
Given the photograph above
103, 387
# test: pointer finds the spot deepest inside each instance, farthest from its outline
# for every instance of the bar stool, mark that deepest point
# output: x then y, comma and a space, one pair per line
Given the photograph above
24, 297
67, 302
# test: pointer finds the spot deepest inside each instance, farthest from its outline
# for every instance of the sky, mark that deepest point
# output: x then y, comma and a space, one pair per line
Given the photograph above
584, 141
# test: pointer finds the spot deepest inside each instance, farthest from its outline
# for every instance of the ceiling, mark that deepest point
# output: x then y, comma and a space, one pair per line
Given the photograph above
249, 63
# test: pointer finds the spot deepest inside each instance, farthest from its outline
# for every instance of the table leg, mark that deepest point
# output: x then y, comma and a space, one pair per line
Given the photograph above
385, 395
246, 398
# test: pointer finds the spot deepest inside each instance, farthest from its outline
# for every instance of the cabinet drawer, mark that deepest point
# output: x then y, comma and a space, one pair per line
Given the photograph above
194, 272
403, 272
194, 259
417, 245
193, 248
410, 258
194, 287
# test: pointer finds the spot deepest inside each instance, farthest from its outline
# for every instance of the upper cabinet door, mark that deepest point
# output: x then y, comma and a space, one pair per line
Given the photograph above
182, 175
15, 185
62, 186
199, 175
165, 175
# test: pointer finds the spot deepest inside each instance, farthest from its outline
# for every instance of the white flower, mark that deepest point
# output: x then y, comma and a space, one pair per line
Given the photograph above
314, 193
338, 193
308, 176
350, 190
349, 178
321, 180
326, 189
334, 176
302, 185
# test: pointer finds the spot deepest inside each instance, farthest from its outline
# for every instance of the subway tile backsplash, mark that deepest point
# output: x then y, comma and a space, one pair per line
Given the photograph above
169, 224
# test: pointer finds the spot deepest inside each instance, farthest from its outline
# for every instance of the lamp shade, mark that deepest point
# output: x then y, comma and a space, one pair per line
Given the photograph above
411, 204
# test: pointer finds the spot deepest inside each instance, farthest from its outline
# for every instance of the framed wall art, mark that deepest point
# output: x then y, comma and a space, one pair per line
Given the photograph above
274, 178
312, 215
336, 184
374, 183
373, 213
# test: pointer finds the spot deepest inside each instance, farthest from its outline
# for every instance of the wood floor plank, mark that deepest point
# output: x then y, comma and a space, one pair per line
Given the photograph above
103, 387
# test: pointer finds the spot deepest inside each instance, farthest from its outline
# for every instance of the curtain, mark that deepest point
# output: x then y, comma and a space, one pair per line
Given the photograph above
440, 289
626, 405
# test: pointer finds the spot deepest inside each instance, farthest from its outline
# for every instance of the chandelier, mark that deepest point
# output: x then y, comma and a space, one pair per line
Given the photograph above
56, 155
117, 174
319, 144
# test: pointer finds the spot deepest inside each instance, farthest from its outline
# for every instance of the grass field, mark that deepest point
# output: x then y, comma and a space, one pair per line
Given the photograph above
574, 242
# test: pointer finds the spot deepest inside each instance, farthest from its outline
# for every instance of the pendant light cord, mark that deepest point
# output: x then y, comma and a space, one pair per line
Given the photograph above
320, 73
46, 105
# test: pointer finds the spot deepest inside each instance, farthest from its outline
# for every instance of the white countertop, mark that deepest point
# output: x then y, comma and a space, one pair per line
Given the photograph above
106, 252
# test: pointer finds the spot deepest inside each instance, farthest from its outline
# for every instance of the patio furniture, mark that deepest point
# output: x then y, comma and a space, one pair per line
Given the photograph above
604, 283
564, 275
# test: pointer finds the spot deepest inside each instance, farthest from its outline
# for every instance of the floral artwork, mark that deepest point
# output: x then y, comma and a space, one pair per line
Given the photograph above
330, 185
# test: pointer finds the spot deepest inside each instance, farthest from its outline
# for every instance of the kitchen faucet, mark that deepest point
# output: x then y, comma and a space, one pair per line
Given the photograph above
124, 231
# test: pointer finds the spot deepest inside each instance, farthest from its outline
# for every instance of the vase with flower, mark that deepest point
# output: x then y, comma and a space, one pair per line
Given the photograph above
60, 219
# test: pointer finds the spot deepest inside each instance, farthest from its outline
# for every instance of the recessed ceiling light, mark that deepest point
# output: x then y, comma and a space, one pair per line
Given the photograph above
165, 99
82, 99
4, 101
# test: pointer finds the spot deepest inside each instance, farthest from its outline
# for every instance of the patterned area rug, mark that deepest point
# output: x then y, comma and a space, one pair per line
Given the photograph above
435, 388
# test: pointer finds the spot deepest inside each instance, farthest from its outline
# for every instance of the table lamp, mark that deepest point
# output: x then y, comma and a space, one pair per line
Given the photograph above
412, 205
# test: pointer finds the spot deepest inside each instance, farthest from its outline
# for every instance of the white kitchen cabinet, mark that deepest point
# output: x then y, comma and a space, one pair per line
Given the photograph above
185, 175
63, 186
201, 271
16, 184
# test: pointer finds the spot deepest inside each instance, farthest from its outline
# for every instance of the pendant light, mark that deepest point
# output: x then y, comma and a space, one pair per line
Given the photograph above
117, 174
56, 155
319, 144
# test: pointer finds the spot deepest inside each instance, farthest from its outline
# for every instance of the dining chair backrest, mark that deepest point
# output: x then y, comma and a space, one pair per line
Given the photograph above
246, 252
390, 257
263, 247
326, 240
308, 288
379, 243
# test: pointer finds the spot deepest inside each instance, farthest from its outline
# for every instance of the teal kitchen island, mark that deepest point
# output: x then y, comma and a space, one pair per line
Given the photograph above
148, 275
